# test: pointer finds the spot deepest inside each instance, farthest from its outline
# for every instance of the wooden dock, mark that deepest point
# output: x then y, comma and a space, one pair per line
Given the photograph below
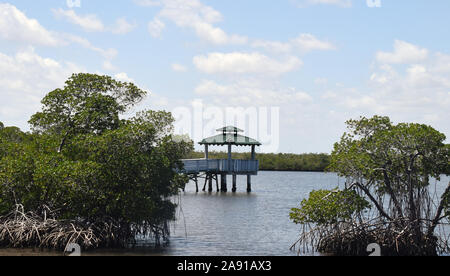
219, 166
210, 169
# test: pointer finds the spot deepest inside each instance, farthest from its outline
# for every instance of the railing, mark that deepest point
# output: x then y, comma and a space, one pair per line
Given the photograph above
221, 166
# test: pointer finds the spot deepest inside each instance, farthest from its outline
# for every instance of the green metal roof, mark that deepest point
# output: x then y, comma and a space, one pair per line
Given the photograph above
230, 129
227, 139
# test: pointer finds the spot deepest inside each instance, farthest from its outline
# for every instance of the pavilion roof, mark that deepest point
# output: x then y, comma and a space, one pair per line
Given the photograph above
230, 129
230, 139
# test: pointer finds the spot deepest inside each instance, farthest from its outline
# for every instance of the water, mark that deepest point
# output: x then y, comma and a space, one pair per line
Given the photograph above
245, 224
240, 224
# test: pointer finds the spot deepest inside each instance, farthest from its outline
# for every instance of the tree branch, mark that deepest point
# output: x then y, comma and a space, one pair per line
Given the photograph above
375, 202
387, 181
439, 216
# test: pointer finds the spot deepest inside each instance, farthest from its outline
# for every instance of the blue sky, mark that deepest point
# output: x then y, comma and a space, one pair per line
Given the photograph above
320, 62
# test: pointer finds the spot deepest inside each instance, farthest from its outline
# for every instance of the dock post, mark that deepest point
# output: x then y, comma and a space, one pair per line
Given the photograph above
196, 183
249, 183
234, 183
206, 182
217, 183
210, 186
223, 182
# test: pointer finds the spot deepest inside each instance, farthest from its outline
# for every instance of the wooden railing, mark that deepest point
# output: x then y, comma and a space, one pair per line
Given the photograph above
221, 166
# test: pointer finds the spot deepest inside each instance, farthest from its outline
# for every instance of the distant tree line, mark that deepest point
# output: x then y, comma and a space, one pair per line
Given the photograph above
313, 162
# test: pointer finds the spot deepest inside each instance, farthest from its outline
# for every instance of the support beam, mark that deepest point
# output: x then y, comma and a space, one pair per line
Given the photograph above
210, 186
223, 182
217, 182
196, 183
249, 183
206, 182
206, 152
234, 183
229, 158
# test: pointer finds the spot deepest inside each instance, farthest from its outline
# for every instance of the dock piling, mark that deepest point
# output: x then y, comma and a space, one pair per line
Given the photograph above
234, 183
210, 184
223, 182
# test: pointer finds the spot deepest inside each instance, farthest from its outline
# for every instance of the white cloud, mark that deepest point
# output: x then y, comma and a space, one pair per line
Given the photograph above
108, 54
414, 87
362, 102
88, 22
91, 23
303, 43
156, 27
441, 63
384, 75
188, 12
308, 42
194, 15
273, 46
244, 63
403, 53
178, 68
216, 35
25, 78
16, 26
123, 77
321, 81
122, 26
251, 93
108, 66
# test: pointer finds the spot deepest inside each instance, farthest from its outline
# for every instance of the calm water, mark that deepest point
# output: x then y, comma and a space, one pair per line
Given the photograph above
248, 224
240, 224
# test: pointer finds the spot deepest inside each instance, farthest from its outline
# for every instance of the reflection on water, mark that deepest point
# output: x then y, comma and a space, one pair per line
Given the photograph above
238, 224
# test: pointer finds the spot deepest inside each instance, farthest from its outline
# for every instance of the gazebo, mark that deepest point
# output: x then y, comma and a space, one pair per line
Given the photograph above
212, 168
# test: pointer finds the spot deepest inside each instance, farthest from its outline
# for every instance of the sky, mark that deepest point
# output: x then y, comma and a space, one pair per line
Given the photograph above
288, 72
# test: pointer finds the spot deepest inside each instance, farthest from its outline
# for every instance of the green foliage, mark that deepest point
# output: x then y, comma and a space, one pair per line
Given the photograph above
326, 207
105, 169
389, 166
13, 144
391, 160
375, 145
131, 172
279, 162
382, 158
88, 104
10, 139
